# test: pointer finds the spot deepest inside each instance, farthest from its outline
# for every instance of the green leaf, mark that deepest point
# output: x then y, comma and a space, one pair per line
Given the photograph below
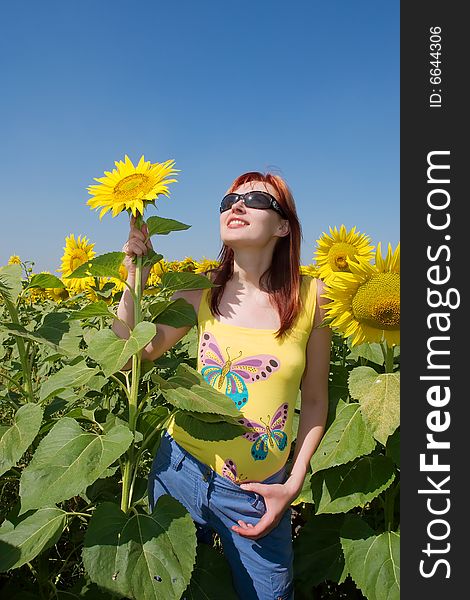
177, 313
204, 430
173, 281
30, 535
162, 226
342, 488
112, 353
69, 376
379, 398
96, 309
10, 282
15, 440
54, 332
151, 258
44, 281
189, 391
139, 555
105, 265
67, 461
345, 439
318, 555
370, 351
211, 578
393, 447
374, 563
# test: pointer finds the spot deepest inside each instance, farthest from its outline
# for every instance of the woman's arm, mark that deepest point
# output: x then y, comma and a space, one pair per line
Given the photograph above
138, 244
314, 395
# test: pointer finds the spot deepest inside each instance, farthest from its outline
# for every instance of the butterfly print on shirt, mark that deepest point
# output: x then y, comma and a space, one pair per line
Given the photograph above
230, 375
264, 435
229, 470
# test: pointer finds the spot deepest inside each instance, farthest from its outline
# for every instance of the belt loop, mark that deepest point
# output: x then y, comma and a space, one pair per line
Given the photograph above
177, 455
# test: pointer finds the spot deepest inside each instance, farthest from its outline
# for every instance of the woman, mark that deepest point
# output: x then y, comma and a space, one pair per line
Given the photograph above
259, 341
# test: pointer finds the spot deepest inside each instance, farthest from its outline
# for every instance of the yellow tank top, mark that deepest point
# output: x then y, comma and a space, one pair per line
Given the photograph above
262, 379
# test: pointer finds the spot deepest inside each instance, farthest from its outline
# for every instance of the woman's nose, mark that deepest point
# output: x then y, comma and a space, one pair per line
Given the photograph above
238, 204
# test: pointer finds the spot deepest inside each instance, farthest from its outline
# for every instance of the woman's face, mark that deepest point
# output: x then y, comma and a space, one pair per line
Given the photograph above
241, 226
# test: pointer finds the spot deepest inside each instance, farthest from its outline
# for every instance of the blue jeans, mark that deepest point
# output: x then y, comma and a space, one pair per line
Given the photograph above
262, 569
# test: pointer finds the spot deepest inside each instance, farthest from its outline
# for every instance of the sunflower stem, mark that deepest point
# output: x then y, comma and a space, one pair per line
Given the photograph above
21, 351
388, 355
129, 464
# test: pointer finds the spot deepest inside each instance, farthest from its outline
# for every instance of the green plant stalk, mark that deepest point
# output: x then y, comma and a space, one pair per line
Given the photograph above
129, 464
388, 357
21, 351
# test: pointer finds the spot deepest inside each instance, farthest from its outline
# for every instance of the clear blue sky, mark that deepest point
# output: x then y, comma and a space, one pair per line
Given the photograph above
308, 88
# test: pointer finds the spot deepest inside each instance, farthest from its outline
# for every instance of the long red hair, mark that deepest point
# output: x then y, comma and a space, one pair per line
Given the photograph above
282, 279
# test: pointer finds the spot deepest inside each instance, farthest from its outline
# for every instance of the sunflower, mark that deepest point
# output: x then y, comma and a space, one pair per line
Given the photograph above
14, 260
365, 304
119, 284
334, 250
131, 188
76, 252
205, 264
310, 270
36, 295
187, 265
154, 277
57, 294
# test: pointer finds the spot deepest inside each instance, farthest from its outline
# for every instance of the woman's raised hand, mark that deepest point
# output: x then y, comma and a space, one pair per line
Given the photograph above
138, 244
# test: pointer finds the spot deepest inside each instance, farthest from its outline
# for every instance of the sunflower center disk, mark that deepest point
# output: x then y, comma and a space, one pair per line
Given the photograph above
377, 302
131, 186
338, 254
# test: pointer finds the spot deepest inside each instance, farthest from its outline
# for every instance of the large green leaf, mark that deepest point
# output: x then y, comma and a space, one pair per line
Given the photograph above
15, 440
68, 460
162, 226
69, 376
204, 430
10, 282
211, 578
374, 563
54, 332
188, 390
96, 309
29, 535
112, 353
141, 556
345, 439
340, 489
177, 313
44, 281
173, 281
104, 265
318, 555
379, 398
370, 351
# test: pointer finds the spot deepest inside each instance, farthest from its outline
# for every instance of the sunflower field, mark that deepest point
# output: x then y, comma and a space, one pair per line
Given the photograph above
78, 432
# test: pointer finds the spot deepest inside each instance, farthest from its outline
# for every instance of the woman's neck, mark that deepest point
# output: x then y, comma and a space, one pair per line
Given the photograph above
247, 270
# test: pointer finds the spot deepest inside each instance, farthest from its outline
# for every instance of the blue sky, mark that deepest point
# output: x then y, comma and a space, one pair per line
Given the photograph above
308, 89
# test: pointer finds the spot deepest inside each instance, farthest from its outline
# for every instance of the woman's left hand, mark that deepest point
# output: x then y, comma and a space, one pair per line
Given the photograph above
277, 497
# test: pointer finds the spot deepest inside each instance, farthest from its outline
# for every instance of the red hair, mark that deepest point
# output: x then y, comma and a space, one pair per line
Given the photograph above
282, 279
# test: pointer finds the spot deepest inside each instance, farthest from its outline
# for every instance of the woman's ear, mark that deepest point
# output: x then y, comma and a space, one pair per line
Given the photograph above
284, 228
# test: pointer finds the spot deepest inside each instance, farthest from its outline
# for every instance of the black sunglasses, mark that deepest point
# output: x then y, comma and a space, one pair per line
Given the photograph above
255, 199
